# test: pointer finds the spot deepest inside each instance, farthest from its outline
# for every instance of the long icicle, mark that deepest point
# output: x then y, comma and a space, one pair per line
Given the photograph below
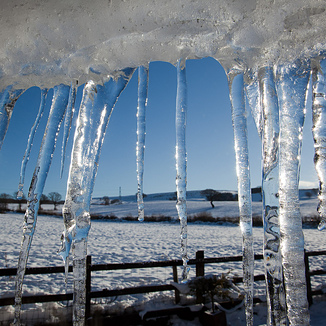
8, 99
59, 104
94, 114
270, 171
319, 133
261, 94
39, 115
291, 81
141, 133
236, 85
181, 161
67, 123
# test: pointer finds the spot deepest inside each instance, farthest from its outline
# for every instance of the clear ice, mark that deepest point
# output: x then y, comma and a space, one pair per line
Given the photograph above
319, 133
39, 115
58, 108
291, 85
239, 121
67, 123
141, 133
270, 184
264, 105
100, 38
8, 98
181, 161
94, 114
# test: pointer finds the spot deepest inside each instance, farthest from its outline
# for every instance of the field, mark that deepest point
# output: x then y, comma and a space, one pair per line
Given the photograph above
121, 241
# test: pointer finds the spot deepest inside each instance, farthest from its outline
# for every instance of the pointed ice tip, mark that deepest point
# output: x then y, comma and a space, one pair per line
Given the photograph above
322, 225
141, 216
20, 193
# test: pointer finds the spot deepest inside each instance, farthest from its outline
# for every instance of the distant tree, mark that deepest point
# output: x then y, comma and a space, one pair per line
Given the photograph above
4, 200
225, 196
256, 190
174, 196
308, 194
43, 200
105, 200
54, 198
211, 195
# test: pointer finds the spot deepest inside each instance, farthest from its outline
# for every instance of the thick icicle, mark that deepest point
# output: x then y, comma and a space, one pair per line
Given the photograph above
39, 115
291, 84
141, 132
94, 114
8, 99
319, 134
270, 172
181, 161
239, 120
262, 98
59, 104
67, 124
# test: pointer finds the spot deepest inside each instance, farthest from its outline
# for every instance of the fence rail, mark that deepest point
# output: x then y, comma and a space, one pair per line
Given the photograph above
199, 262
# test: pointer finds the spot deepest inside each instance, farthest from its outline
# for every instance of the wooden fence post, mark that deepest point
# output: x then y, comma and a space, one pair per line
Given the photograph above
200, 271
200, 266
308, 280
88, 286
175, 279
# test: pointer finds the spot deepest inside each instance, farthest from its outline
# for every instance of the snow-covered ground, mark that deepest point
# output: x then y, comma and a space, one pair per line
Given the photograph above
117, 242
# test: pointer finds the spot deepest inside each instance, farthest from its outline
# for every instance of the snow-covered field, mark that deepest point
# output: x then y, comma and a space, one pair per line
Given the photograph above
117, 242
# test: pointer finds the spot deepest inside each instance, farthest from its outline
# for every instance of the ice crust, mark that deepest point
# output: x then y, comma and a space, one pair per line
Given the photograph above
45, 42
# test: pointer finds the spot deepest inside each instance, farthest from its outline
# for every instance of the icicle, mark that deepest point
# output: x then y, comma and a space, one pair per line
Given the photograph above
30, 143
141, 132
254, 100
291, 84
319, 134
239, 119
67, 123
262, 98
8, 99
181, 161
59, 104
270, 151
94, 114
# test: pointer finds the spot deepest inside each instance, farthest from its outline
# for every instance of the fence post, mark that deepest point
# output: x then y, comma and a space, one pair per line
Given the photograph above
88, 286
200, 271
200, 266
175, 279
308, 280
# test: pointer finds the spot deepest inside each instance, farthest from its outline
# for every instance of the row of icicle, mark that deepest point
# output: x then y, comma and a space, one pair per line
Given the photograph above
277, 98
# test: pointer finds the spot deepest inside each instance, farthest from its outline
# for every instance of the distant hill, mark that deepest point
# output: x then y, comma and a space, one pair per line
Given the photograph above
196, 195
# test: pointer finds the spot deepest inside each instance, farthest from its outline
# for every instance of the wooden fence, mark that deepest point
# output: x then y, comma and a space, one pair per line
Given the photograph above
199, 262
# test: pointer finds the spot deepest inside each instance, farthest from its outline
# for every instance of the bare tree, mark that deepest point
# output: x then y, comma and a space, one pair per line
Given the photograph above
105, 200
211, 195
4, 200
54, 198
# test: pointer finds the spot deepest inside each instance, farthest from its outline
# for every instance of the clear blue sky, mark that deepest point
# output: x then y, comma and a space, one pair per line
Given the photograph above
211, 160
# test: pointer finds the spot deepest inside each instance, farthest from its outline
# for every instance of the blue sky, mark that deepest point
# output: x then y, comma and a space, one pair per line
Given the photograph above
211, 160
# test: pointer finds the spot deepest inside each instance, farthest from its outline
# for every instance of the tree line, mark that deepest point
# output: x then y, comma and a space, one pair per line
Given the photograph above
53, 198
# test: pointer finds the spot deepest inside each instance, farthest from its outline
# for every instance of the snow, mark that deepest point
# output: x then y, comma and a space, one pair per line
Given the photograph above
116, 242
47, 43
